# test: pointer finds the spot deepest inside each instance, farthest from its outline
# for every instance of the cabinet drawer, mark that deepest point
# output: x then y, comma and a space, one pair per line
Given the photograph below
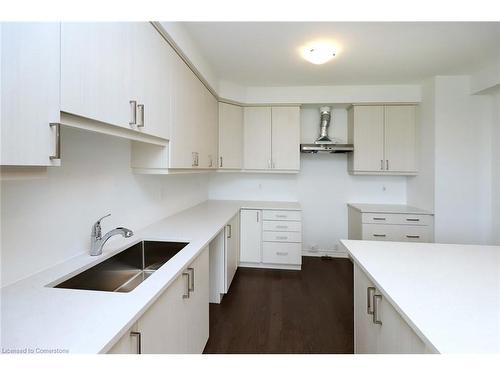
282, 253
402, 233
282, 236
282, 226
380, 232
281, 215
403, 219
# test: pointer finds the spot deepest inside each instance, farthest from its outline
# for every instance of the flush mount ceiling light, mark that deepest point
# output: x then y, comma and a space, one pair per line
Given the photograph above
319, 52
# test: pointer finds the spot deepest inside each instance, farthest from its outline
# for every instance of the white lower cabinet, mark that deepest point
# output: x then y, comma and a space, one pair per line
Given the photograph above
271, 239
378, 327
178, 322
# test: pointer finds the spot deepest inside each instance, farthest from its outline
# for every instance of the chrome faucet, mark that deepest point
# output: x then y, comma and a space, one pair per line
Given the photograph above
97, 241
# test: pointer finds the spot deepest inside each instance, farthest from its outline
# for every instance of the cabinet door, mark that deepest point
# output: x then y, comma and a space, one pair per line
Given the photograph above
286, 138
207, 130
257, 138
163, 326
96, 71
251, 236
365, 332
30, 71
152, 79
128, 343
230, 136
187, 102
198, 305
232, 251
368, 123
400, 138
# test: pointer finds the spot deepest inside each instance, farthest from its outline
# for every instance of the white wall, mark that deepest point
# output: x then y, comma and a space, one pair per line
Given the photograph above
46, 221
420, 190
495, 169
462, 162
323, 186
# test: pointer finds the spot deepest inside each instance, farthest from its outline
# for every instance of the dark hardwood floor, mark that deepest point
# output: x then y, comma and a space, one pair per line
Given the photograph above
277, 311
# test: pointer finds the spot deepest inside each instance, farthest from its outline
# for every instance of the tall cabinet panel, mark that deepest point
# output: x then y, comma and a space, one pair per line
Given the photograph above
257, 137
97, 71
400, 138
366, 128
285, 138
230, 136
152, 67
30, 73
251, 236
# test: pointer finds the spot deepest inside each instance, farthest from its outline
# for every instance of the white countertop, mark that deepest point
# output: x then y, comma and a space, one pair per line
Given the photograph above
388, 208
449, 294
86, 321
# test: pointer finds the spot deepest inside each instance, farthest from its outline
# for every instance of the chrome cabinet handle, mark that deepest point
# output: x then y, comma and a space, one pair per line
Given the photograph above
379, 218
387, 164
230, 231
257, 216
57, 154
281, 238
196, 159
381, 165
282, 253
376, 298
282, 226
408, 219
191, 279
133, 112
187, 290
139, 341
379, 235
369, 296
412, 236
220, 162
140, 107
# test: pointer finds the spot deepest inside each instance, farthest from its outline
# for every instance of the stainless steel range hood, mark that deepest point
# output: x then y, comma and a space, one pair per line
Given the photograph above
333, 148
324, 143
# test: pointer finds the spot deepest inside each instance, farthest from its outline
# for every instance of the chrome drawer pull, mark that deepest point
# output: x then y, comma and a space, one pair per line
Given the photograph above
133, 112
376, 298
379, 218
412, 219
229, 231
191, 279
139, 343
186, 291
369, 296
379, 235
281, 238
140, 107
282, 226
412, 236
57, 154
281, 253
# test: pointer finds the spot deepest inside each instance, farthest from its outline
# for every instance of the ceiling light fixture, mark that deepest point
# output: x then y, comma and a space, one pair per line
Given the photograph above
319, 52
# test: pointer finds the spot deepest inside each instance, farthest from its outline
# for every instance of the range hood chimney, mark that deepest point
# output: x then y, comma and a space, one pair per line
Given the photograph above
325, 113
324, 143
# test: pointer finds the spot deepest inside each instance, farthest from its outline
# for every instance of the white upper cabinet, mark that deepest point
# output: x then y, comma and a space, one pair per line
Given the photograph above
230, 136
271, 138
97, 70
193, 136
30, 71
384, 139
257, 137
400, 138
152, 72
285, 138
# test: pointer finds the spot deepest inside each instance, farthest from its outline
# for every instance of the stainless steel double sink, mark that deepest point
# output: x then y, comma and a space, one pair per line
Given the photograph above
124, 271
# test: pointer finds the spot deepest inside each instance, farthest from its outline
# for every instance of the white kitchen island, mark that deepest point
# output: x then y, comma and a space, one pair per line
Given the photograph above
431, 298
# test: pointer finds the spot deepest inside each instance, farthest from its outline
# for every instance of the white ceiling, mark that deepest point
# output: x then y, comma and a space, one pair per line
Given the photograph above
266, 53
